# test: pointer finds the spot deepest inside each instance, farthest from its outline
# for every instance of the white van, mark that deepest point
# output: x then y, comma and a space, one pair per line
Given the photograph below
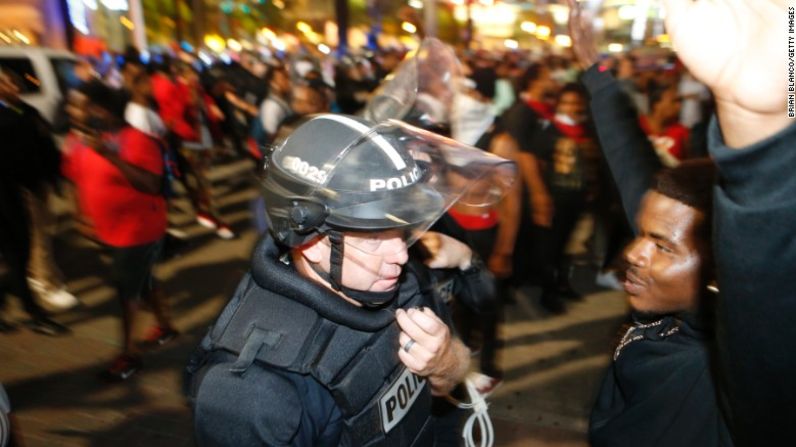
46, 75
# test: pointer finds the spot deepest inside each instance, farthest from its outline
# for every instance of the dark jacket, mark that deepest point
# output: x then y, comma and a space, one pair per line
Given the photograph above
288, 362
662, 392
755, 248
658, 391
28, 156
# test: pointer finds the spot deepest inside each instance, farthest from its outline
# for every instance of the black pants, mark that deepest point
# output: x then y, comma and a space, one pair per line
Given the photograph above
549, 243
15, 249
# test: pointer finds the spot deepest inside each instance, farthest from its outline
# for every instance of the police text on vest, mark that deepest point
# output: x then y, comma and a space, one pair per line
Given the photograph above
398, 399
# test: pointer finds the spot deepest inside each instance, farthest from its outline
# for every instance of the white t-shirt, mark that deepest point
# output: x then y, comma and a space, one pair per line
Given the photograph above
273, 111
693, 93
144, 119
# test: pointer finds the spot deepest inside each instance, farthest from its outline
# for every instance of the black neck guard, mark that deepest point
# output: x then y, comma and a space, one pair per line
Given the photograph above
271, 274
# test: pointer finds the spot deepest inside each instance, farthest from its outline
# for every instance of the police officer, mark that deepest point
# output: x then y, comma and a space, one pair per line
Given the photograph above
332, 338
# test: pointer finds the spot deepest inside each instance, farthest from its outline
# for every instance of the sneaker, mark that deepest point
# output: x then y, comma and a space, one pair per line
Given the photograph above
37, 286
224, 232
159, 336
176, 233
46, 326
122, 368
206, 220
61, 299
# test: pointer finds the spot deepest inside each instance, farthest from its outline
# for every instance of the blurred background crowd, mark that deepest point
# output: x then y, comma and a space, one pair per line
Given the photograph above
203, 114
200, 111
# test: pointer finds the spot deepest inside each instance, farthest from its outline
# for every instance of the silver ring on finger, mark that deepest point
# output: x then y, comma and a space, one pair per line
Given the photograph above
408, 345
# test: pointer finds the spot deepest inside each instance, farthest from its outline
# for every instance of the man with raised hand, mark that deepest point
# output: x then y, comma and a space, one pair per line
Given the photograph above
739, 49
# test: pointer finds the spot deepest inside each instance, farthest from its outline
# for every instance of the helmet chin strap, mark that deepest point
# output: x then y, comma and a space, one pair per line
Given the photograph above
336, 255
335, 276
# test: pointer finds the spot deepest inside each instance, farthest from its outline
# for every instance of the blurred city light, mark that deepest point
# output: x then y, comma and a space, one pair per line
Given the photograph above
5, 38
528, 27
127, 23
234, 45
279, 44
496, 21
314, 37
22, 38
563, 40
205, 58
304, 27
615, 47
493, 23
511, 44
560, 14
626, 12
639, 28
215, 42
324, 49
543, 32
115, 5
408, 27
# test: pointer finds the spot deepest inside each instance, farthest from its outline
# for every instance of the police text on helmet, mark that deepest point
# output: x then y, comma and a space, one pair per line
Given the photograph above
379, 184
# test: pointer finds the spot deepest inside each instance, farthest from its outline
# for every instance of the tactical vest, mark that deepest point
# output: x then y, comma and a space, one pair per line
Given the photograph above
382, 403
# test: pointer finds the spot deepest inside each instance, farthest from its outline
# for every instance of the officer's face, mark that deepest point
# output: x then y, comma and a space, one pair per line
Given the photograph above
664, 261
372, 261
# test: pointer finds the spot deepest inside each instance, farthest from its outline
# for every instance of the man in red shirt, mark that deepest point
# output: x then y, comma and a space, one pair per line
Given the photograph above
118, 174
662, 126
180, 103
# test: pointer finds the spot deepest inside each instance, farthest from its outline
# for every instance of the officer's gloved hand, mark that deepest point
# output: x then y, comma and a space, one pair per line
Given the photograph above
434, 354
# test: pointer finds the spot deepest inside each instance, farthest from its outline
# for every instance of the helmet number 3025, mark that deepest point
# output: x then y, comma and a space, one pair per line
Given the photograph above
304, 170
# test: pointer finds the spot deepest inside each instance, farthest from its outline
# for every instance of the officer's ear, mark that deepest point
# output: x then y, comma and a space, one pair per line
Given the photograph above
315, 250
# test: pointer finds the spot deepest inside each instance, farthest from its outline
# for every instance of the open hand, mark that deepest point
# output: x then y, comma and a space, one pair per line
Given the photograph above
581, 30
738, 48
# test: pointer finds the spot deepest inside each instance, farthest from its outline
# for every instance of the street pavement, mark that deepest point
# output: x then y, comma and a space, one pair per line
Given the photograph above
553, 365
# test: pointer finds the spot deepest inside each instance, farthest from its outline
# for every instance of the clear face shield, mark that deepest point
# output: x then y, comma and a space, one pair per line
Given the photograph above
392, 181
421, 89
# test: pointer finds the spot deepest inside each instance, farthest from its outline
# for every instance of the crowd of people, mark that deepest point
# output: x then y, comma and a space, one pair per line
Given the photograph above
617, 144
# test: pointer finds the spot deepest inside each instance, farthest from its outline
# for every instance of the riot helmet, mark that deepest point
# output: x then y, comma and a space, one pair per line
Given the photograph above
338, 173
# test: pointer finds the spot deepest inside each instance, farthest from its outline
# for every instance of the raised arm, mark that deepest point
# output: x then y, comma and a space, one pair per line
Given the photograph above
740, 50
626, 148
